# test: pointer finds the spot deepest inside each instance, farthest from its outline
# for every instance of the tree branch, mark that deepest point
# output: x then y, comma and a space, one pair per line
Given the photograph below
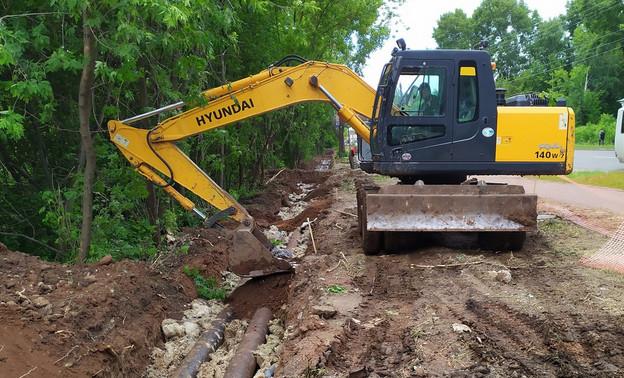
31, 239
28, 14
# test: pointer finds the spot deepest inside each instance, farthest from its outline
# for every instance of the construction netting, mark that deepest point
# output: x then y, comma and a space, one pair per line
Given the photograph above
610, 256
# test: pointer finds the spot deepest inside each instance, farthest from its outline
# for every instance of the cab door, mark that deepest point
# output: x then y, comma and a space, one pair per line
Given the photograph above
418, 118
475, 119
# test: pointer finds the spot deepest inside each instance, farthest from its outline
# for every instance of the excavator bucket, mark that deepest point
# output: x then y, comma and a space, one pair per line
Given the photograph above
451, 208
253, 255
490, 211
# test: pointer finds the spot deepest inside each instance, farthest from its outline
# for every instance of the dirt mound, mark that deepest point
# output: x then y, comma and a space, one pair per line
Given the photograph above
104, 319
66, 320
208, 252
265, 206
270, 291
436, 311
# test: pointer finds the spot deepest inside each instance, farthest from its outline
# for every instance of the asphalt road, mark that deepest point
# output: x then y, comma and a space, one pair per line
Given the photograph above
568, 193
596, 160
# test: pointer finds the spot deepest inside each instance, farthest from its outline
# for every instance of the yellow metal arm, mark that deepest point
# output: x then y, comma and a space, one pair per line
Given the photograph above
272, 89
268, 91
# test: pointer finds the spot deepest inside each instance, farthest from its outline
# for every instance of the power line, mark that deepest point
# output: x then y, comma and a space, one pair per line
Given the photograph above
562, 66
597, 10
573, 49
592, 12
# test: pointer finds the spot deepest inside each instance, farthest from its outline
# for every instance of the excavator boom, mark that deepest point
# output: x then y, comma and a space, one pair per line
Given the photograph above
155, 155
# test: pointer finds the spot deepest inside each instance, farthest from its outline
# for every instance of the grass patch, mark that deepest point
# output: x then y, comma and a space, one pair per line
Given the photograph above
559, 234
336, 289
613, 180
207, 287
593, 146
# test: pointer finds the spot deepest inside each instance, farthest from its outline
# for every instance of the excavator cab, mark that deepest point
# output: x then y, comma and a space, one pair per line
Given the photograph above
436, 119
455, 129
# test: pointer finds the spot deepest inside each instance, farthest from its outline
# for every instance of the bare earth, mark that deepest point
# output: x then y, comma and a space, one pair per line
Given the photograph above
440, 310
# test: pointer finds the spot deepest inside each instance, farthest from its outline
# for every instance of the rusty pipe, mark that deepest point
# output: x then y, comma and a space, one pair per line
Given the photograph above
244, 364
207, 343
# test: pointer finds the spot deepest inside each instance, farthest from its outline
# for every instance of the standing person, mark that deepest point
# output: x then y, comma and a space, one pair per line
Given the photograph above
352, 157
601, 136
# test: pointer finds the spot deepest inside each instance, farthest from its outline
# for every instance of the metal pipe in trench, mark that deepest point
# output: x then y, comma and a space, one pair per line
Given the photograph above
207, 343
244, 364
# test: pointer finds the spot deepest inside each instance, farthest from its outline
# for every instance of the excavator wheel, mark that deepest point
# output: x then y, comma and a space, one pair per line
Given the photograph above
447, 179
404, 241
502, 241
371, 240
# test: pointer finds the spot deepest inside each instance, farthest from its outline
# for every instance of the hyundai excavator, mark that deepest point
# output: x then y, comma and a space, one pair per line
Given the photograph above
434, 118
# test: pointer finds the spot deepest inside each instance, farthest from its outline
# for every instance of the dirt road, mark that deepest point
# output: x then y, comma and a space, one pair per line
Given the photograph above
434, 311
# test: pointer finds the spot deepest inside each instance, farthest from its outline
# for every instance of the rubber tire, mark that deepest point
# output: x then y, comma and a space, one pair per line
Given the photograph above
371, 240
502, 241
448, 179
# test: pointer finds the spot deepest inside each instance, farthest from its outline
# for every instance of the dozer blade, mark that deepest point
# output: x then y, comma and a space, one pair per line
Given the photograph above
250, 255
451, 208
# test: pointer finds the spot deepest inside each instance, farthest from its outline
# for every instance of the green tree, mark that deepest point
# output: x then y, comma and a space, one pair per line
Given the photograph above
598, 40
149, 54
509, 27
585, 102
455, 31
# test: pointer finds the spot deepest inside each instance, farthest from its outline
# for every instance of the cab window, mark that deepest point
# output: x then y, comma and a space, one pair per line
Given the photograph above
467, 93
420, 91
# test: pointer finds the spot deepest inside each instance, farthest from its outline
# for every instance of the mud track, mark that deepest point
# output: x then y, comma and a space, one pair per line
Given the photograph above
434, 311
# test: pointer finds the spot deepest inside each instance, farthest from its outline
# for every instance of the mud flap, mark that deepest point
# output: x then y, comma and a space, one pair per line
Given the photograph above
250, 255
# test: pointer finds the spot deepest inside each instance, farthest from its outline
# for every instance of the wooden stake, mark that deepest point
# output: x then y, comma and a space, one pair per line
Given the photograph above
273, 178
345, 213
312, 235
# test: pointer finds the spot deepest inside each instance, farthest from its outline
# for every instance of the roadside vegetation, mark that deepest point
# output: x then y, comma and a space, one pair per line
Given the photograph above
66, 192
587, 135
67, 67
614, 180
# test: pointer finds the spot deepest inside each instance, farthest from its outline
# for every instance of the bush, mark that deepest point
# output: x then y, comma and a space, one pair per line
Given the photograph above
207, 287
588, 134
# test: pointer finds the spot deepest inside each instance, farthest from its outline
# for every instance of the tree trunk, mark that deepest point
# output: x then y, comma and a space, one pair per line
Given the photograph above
152, 202
222, 146
341, 141
43, 153
258, 167
84, 112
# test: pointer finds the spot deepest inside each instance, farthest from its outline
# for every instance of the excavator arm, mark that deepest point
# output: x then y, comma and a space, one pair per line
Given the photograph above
152, 151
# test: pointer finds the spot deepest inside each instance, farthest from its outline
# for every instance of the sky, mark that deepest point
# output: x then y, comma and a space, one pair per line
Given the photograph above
420, 17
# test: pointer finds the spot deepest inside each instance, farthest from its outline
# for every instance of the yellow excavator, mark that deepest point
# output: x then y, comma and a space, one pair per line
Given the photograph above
435, 118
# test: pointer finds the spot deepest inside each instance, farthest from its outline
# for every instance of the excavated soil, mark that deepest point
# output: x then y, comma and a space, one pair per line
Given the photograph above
433, 311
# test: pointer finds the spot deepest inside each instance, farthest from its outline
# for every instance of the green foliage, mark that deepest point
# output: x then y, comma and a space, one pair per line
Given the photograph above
150, 54
334, 289
455, 31
207, 287
11, 125
61, 214
579, 56
589, 132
